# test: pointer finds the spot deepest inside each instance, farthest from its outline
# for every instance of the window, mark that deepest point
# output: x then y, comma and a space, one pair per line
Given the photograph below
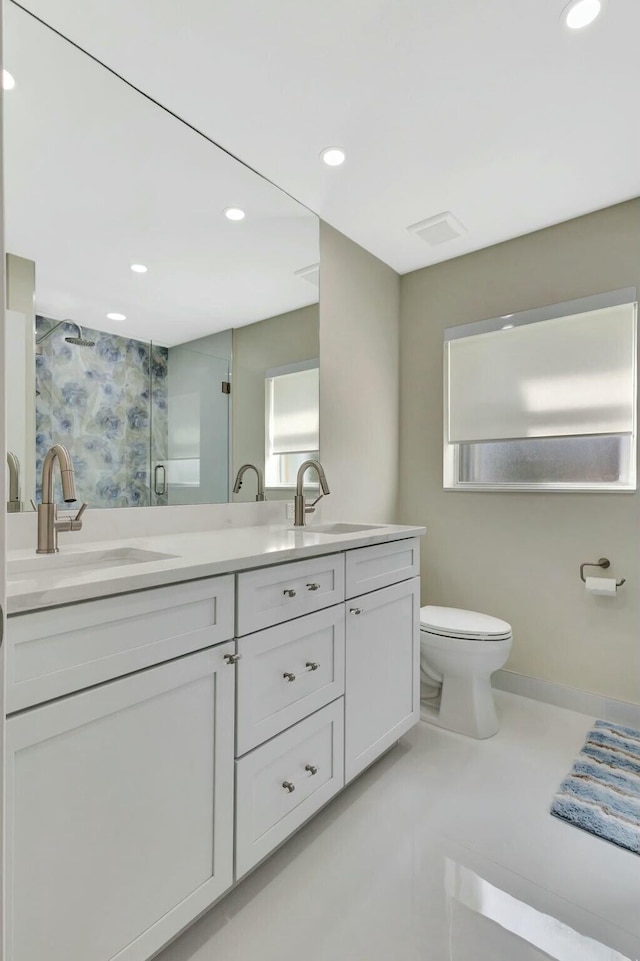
292, 424
546, 401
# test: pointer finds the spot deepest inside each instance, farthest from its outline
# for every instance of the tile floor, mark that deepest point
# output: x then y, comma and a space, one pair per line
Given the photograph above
443, 851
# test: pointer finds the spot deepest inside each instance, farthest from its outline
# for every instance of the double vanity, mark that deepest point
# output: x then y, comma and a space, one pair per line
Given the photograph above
179, 706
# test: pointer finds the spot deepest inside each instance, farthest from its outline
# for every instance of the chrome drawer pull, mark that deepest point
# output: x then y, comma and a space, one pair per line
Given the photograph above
355, 610
313, 587
311, 768
289, 593
288, 786
232, 658
288, 676
312, 665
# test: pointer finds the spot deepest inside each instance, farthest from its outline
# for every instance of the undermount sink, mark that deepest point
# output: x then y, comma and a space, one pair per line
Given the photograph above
19, 570
339, 528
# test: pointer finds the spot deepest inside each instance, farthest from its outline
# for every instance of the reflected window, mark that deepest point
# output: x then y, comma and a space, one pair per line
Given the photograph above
292, 422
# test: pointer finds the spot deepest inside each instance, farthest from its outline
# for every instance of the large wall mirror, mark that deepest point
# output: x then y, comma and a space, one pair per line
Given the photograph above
161, 381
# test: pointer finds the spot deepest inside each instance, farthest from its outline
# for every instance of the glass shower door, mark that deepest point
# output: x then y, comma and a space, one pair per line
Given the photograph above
190, 437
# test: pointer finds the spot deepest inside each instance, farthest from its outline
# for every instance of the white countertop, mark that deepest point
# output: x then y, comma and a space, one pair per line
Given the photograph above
51, 580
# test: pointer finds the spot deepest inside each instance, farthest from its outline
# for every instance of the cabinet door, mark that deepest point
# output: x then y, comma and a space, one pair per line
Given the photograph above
120, 812
382, 681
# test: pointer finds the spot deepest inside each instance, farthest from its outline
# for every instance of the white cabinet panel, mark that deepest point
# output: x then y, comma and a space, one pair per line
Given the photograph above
52, 653
286, 673
382, 680
272, 595
371, 568
282, 783
120, 812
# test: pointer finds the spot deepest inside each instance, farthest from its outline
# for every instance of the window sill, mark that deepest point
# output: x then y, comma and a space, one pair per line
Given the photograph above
543, 488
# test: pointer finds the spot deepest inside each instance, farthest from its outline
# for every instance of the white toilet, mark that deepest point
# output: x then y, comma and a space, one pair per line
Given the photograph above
459, 651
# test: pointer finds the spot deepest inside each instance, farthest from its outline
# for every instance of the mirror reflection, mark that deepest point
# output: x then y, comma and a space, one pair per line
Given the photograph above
162, 298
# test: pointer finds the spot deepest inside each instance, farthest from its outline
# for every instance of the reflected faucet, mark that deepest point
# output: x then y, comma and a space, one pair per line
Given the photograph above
260, 496
48, 524
13, 504
301, 509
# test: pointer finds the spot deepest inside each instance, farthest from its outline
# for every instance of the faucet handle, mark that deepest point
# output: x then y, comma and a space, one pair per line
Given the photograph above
76, 522
310, 508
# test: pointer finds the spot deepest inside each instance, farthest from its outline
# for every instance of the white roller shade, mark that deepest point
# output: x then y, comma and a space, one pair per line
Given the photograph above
293, 404
563, 377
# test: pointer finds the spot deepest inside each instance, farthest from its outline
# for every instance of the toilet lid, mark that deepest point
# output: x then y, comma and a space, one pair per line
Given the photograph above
467, 625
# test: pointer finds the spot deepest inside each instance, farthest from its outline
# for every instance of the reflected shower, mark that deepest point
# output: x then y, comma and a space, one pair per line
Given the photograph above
78, 341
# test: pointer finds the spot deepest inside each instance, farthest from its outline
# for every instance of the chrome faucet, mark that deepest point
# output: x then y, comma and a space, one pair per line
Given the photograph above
13, 504
301, 509
48, 524
260, 496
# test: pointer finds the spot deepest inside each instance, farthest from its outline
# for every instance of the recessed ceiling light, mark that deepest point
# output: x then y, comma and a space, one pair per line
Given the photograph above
8, 83
234, 213
580, 13
116, 317
139, 268
507, 327
333, 156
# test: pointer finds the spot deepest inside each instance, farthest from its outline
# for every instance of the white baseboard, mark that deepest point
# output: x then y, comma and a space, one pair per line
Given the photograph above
596, 705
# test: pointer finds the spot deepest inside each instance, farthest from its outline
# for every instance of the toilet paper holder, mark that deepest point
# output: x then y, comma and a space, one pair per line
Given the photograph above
604, 563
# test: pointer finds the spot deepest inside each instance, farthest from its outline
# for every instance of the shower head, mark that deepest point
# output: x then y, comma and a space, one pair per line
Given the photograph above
79, 341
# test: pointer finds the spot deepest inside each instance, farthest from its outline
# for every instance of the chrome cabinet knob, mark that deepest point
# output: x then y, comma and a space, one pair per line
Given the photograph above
355, 610
288, 676
313, 587
289, 592
311, 768
312, 665
232, 658
288, 786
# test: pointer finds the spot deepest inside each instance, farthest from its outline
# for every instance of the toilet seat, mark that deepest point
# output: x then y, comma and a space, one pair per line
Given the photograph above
456, 624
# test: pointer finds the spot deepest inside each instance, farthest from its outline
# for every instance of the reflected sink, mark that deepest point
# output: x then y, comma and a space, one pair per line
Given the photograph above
339, 528
85, 560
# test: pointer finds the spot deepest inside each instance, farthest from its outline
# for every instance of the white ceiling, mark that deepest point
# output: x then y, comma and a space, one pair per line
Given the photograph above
97, 178
489, 108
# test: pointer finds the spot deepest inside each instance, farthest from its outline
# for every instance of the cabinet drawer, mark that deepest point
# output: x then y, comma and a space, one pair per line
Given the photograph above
51, 653
267, 811
272, 595
370, 568
286, 673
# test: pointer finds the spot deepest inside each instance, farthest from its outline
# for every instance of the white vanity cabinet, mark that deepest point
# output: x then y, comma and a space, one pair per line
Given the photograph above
160, 744
120, 812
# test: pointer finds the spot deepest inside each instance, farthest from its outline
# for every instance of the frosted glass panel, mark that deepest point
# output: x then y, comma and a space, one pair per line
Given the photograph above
567, 376
293, 401
555, 460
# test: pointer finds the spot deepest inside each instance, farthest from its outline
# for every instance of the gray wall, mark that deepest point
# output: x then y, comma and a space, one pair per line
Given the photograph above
275, 342
517, 555
359, 380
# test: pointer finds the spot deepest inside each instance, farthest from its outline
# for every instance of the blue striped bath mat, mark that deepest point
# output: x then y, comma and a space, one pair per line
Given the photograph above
602, 792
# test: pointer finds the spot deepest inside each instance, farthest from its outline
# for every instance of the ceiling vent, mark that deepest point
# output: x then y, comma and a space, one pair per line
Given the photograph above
439, 229
310, 273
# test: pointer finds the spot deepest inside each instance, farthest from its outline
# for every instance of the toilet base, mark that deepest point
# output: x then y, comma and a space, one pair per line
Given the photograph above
466, 707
